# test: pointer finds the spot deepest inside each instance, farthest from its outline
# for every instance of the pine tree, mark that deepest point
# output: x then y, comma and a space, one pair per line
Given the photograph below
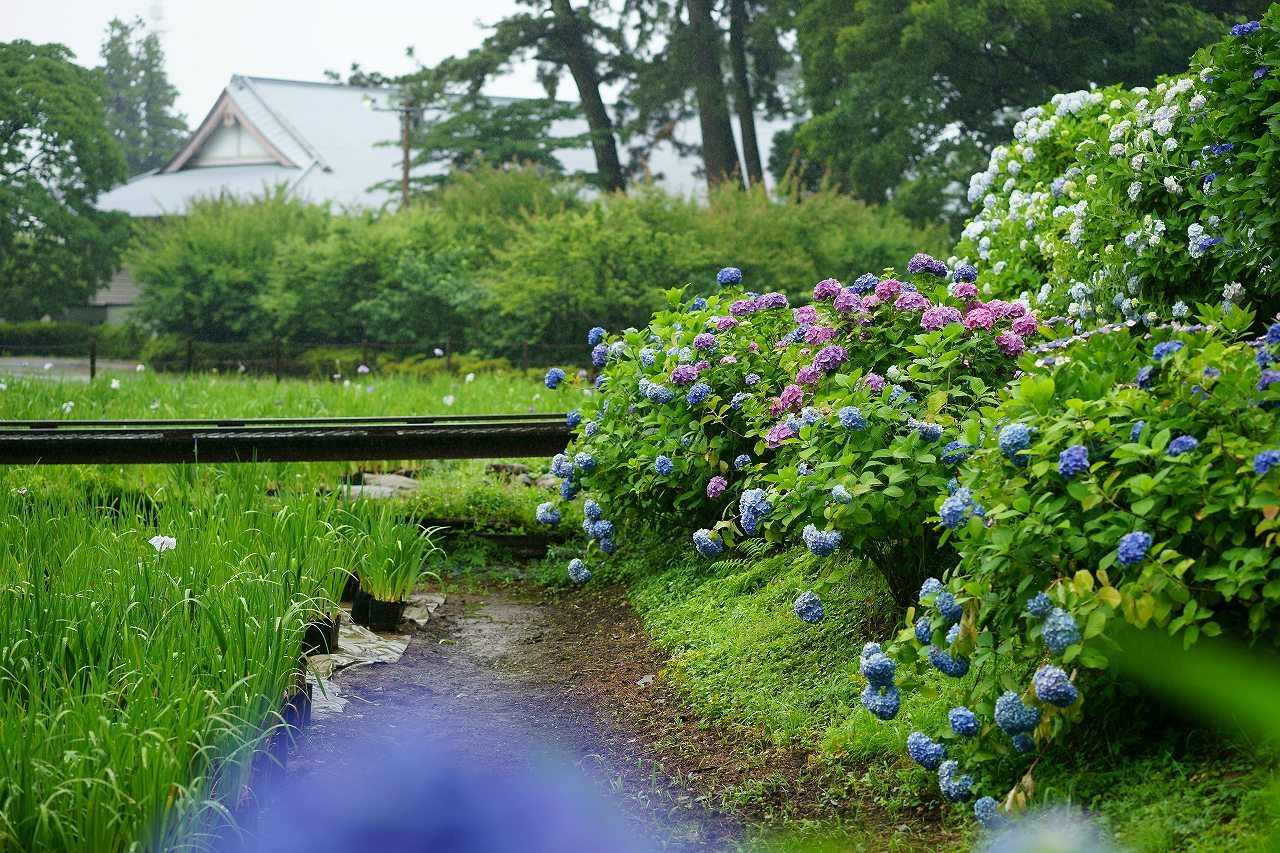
140, 98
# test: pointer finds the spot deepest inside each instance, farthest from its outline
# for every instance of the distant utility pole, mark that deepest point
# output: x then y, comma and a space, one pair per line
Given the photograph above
406, 120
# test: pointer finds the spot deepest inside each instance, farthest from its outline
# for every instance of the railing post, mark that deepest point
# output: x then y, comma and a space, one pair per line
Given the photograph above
191, 356
278, 357
524, 355
93, 358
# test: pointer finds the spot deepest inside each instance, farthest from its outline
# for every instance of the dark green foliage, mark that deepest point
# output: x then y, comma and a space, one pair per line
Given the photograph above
56, 157
139, 97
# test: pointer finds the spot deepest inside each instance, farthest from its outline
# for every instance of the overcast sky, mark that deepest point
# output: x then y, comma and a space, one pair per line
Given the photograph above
206, 41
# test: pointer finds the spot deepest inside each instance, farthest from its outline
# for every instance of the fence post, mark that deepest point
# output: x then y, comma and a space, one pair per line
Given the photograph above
278, 357
524, 355
364, 352
93, 358
191, 356
448, 355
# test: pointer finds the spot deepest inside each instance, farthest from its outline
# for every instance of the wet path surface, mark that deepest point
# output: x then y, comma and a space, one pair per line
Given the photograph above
499, 691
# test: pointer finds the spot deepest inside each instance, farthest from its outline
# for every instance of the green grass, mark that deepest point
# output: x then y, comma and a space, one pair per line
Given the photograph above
740, 656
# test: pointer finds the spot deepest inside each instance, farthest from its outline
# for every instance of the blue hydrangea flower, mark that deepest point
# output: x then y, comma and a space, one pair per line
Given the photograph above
924, 751
1013, 439
1182, 444
1024, 743
1136, 432
601, 380
1165, 349
924, 634
1265, 461
1059, 630
578, 573
851, 418
1073, 461
554, 377
1244, 29
931, 586
810, 415
561, 466
953, 634
1132, 549
1039, 605
955, 509
884, 705
963, 722
698, 304
1054, 688
738, 399
729, 275
955, 452
754, 507
599, 355
698, 393
659, 394
820, 542
602, 529
591, 429
928, 431
706, 544
648, 356
592, 510
948, 606
840, 494
751, 379
741, 462
1014, 716
595, 336
548, 513
809, 608
607, 546
877, 667
1143, 379
864, 283
568, 490
663, 465
1273, 334
573, 418
947, 664
584, 461
965, 272
987, 812
955, 789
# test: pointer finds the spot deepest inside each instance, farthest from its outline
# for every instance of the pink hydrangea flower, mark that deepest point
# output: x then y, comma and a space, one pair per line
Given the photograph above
870, 300
723, 323
716, 487
938, 316
847, 301
998, 308
964, 290
791, 396
702, 365
808, 375
828, 288
819, 335
1010, 343
806, 315
888, 289
979, 318
753, 347
1025, 325
728, 359
743, 307
1015, 310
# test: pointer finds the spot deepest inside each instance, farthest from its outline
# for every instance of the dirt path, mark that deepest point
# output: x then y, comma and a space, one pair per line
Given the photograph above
499, 683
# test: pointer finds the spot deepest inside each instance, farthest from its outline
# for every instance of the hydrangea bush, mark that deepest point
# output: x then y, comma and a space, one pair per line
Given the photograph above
833, 424
1152, 502
1120, 203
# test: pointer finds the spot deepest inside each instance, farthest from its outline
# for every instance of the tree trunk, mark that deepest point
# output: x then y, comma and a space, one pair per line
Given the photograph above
719, 152
742, 101
581, 62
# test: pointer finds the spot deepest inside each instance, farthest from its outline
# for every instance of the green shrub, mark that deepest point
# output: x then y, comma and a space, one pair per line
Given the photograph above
22, 336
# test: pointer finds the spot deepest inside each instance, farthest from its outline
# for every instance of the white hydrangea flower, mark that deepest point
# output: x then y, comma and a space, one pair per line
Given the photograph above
1170, 144
1138, 161
1117, 150
1172, 185
1198, 100
1135, 189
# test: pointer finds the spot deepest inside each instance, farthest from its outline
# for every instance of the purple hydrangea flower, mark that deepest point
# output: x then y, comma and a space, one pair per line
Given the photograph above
830, 358
964, 290
743, 307
828, 288
1010, 344
873, 381
1133, 547
922, 263
704, 340
912, 302
751, 379
938, 316
684, 374
716, 487
772, 300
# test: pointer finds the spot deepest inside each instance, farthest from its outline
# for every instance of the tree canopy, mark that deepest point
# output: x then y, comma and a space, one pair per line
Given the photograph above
56, 156
140, 100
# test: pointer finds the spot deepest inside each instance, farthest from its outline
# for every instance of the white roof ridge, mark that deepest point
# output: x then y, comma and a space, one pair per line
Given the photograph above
285, 124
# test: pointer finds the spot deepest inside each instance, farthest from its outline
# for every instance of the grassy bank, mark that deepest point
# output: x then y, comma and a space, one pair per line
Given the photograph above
739, 655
